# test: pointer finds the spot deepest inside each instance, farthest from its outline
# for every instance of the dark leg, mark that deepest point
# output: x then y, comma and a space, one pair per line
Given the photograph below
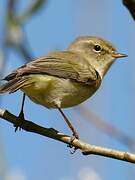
21, 115
75, 134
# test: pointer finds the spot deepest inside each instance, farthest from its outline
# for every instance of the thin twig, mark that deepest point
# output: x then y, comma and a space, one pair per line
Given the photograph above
31, 10
130, 4
86, 149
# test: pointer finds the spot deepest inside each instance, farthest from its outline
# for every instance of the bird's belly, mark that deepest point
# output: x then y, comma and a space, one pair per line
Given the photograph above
75, 95
63, 93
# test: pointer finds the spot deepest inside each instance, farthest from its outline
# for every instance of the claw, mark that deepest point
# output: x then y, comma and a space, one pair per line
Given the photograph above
74, 150
70, 144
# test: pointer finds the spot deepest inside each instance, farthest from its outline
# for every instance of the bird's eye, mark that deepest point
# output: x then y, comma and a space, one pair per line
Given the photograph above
97, 48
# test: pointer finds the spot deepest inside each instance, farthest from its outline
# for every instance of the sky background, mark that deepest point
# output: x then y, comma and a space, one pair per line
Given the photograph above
26, 156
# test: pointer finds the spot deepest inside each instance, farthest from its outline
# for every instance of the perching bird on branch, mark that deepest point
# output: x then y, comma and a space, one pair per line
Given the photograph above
65, 78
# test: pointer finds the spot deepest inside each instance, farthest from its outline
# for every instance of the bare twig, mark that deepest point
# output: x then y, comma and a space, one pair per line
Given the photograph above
85, 148
31, 10
130, 4
16, 36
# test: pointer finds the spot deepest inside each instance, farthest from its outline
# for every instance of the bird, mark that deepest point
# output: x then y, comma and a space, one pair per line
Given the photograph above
65, 78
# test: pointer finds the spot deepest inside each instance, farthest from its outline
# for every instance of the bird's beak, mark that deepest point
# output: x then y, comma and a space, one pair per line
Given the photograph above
118, 55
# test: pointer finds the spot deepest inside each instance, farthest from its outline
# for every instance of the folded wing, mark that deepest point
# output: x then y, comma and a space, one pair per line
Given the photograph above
64, 64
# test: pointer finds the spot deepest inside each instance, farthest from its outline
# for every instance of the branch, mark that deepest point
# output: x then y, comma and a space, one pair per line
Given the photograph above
15, 34
130, 4
31, 10
86, 149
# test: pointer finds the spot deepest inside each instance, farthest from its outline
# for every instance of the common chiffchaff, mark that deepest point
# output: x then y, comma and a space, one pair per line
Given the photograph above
66, 78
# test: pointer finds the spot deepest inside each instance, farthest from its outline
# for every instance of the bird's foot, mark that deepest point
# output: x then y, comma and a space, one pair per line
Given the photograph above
20, 121
70, 145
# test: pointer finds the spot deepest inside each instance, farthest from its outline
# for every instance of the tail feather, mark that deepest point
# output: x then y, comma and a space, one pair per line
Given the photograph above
14, 85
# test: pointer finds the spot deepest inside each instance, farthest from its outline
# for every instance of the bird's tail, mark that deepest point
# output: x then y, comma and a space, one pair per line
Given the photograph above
14, 84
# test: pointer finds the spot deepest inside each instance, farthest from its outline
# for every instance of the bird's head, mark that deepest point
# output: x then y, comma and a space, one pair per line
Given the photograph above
100, 53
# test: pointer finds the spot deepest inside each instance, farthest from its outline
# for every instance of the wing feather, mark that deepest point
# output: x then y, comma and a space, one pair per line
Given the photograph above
64, 64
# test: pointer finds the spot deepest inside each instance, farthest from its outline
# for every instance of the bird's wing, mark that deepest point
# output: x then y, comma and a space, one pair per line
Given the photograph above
64, 64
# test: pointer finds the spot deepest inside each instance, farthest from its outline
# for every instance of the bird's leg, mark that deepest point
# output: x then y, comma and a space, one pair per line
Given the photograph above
75, 134
21, 115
